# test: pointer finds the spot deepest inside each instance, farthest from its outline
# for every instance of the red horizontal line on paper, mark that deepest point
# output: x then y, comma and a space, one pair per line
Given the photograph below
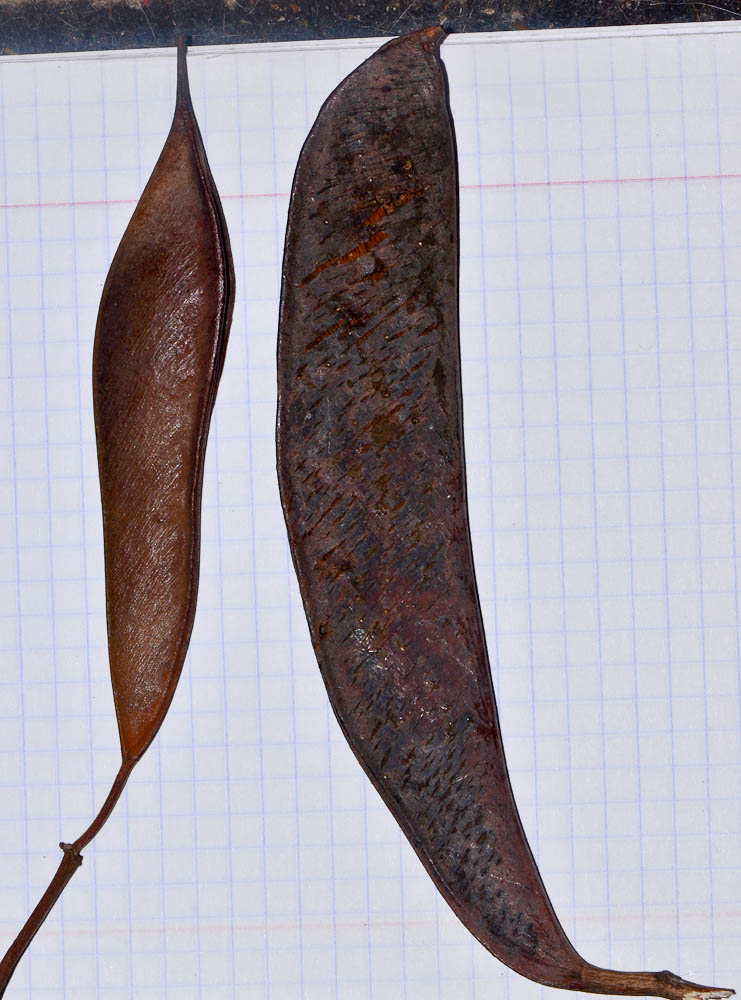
465, 187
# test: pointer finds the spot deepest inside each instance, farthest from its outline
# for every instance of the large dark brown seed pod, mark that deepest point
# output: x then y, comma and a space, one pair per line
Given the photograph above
371, 469
159, 349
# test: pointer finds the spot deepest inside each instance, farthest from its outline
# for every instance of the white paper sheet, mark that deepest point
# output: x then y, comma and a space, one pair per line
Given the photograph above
600, 203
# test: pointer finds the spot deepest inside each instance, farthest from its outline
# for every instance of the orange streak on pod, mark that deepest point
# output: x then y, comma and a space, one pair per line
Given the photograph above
372, 478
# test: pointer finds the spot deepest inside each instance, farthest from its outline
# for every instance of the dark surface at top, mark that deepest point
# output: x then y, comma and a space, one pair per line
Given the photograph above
76, 25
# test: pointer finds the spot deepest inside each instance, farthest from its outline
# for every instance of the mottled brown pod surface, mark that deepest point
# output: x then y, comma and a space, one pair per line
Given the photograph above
159, 349
371, 469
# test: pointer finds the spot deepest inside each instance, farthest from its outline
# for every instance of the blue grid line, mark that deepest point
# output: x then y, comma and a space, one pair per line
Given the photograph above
729, 399
51, 566
557, 458
699, 521
19, 605
667, 626
255, 592
631, 554
215, 448
588, 285
525, 493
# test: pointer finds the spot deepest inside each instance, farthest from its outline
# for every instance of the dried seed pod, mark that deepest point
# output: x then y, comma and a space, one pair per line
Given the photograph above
371, 470
159, 349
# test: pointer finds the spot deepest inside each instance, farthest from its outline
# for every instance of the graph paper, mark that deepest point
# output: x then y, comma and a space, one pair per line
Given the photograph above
600, 202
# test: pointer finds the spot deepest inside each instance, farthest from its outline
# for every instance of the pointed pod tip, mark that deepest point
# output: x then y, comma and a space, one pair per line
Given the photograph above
434, 36
650, 984
694, 992
182, 45
429, 39
710, 994
183, 90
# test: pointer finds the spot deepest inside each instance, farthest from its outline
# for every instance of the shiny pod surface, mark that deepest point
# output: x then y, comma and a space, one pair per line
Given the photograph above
371, 470
159, 349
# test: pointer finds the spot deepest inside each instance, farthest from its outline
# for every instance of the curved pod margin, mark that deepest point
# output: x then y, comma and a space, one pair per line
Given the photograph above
371, 470
159, 349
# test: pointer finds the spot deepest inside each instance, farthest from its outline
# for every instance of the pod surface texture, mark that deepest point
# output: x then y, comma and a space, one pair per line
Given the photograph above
161, 335
372, 480
159, 349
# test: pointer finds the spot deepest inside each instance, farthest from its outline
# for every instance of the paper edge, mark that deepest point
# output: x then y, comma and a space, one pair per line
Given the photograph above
362, 44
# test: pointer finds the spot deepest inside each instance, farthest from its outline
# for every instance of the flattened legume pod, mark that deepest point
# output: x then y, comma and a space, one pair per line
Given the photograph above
159, 349
371, 470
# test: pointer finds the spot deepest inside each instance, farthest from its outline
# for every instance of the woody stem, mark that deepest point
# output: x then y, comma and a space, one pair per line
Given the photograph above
71, 861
